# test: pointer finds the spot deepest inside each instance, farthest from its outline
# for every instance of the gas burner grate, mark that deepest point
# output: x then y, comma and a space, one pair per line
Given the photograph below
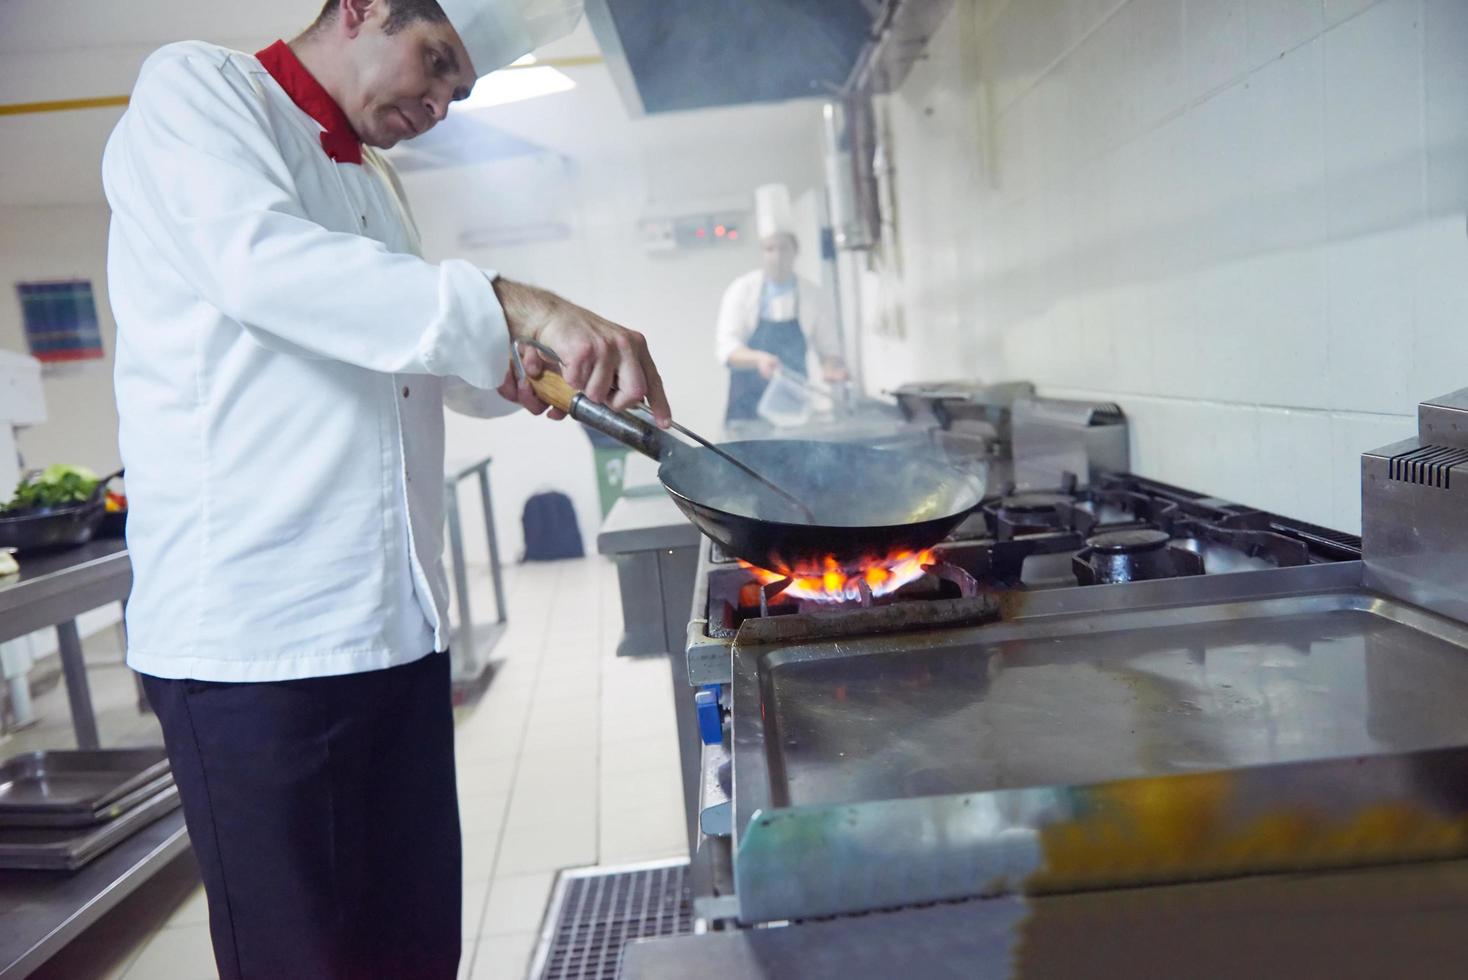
596, 911
736, 597
1047, 538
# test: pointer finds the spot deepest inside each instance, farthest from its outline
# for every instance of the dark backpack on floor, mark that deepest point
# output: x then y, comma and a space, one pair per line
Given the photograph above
551, 531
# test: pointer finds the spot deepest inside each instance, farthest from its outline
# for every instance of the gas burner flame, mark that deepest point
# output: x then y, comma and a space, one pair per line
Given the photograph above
832, 583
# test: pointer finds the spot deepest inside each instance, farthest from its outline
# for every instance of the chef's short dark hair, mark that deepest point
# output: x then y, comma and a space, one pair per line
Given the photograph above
401, 13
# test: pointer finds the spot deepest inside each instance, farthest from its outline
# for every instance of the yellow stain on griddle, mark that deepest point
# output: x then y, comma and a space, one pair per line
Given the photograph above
1186, 828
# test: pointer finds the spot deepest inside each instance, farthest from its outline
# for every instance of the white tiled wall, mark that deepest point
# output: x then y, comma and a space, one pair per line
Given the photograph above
1241, 219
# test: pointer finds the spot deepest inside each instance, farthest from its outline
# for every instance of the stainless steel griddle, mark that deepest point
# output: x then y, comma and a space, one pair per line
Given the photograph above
901, 769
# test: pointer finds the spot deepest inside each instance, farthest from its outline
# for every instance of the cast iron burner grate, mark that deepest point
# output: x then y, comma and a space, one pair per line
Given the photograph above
595, 911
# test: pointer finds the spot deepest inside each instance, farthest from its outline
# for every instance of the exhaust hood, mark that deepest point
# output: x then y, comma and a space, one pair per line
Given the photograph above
700, 54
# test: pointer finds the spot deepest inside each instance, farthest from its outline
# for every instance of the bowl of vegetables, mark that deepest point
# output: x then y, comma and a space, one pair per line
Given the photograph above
59, 507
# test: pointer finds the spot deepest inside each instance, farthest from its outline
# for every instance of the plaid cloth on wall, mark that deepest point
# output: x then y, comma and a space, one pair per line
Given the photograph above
61, 321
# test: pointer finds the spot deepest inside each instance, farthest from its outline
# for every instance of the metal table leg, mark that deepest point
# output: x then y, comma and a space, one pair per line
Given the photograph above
472, 672
494, 544
690, 745
464, 639
78, 692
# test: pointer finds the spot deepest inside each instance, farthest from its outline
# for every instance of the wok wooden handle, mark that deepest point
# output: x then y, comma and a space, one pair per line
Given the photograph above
554, 390
627, 429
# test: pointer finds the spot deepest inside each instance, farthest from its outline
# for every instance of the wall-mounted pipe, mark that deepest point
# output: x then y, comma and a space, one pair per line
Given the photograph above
851, 186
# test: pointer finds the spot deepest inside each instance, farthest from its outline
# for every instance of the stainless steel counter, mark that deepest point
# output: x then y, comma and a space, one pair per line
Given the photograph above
53, 590
645, 521
656, 551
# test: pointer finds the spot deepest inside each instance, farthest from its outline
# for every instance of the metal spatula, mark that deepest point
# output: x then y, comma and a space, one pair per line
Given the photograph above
629, 429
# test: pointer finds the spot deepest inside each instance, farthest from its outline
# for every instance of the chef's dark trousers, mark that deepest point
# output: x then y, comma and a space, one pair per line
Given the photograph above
325, 820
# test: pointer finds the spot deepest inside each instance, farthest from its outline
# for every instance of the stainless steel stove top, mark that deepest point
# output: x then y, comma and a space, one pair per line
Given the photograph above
1090, 687
1123, 529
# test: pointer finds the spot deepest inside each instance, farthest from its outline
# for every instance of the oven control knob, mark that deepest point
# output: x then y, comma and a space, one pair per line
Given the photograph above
710, 721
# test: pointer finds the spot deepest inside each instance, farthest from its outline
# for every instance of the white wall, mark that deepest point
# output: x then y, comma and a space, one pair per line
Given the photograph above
1241, 219
62, 243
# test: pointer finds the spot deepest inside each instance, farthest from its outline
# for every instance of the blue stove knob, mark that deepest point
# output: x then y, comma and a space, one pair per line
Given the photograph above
710, 719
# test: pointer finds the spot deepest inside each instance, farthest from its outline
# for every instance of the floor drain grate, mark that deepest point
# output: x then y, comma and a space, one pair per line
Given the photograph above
595, 911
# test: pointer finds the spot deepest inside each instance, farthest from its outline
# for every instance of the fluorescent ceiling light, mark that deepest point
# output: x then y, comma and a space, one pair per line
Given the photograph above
522, 80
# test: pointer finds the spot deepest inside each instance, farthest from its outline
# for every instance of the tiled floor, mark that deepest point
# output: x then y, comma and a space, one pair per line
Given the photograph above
569, 759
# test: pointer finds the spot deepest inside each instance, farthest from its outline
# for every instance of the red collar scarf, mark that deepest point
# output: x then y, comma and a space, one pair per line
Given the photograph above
339, 140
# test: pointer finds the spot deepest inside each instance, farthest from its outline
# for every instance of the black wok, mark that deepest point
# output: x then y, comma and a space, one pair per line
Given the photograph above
866, 503
870, 503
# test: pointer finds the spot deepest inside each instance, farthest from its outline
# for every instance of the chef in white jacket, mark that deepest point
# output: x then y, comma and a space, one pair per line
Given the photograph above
284, 357
770, 319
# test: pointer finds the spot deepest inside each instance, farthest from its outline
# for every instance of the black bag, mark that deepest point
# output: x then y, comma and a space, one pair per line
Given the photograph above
551, 530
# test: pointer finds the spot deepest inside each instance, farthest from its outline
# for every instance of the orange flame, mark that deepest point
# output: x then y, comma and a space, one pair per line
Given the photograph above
833, 583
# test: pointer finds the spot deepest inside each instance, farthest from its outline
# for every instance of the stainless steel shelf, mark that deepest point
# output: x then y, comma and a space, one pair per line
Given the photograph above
44, 910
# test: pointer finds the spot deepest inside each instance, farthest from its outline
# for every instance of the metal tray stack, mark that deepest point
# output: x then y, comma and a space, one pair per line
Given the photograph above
61, 809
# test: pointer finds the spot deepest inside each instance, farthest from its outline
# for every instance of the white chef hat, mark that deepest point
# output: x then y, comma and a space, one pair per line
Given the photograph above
497, 32
773, 213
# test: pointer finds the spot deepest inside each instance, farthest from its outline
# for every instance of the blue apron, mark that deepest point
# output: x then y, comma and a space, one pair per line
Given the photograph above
785, 340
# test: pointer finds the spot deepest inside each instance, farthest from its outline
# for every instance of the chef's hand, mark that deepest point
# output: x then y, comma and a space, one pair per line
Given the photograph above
834, 371
610, 363
767, 364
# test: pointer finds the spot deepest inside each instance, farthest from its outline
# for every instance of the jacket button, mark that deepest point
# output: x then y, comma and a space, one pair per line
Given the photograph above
405, 391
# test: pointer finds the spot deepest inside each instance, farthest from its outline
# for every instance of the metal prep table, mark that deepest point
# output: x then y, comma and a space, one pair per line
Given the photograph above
53, 590
42, 911
656, 551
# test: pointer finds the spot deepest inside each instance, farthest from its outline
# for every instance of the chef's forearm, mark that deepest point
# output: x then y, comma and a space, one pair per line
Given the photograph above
526, 307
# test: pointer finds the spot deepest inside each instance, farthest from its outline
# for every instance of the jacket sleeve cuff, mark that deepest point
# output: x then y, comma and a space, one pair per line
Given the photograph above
470, 338
478, 403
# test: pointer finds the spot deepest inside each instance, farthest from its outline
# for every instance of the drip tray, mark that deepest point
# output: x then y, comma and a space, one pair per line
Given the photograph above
594, 912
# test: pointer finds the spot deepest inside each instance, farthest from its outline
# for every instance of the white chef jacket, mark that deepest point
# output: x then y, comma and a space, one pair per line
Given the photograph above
740, 311
283, 359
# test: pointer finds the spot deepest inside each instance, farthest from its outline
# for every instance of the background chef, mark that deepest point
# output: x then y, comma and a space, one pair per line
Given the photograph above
771, 318
284, 356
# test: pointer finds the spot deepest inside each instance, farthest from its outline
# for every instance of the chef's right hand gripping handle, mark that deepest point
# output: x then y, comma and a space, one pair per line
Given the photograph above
628, 429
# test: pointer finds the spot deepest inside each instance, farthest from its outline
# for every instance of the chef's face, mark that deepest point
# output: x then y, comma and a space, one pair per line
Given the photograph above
406, 80
779, 257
